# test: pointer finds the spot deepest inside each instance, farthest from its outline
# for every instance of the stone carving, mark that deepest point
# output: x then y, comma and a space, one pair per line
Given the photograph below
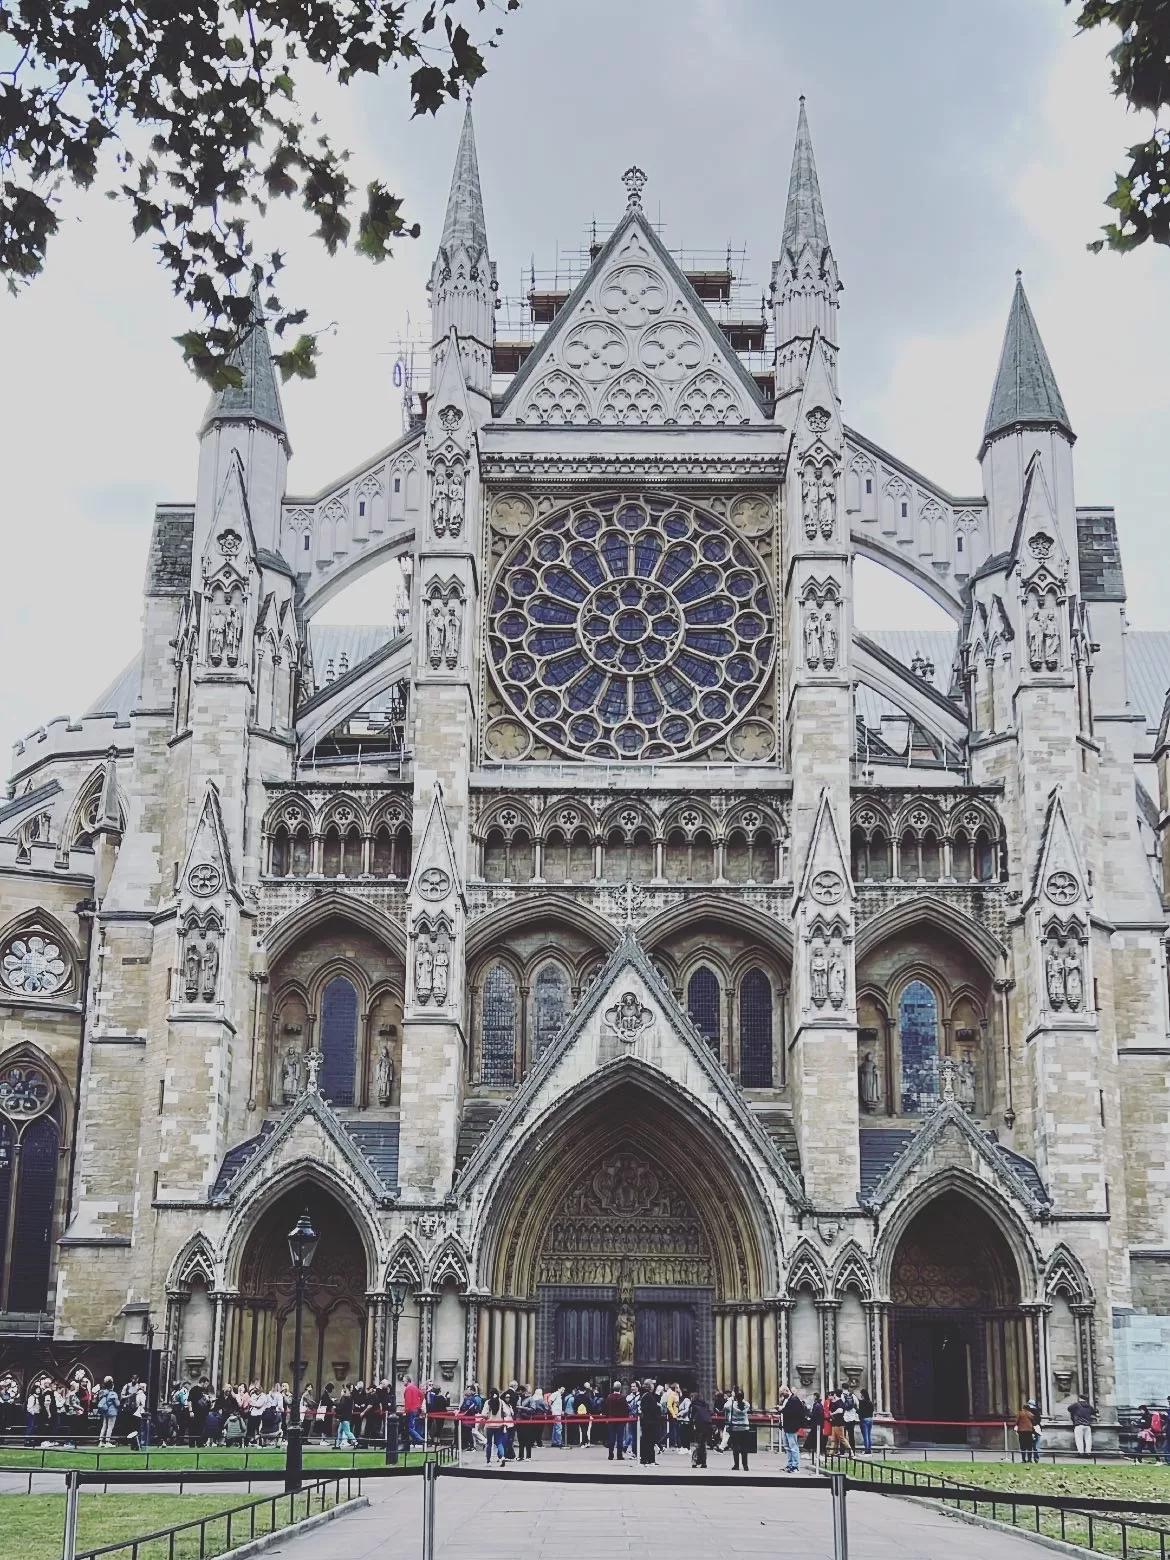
290, 1081
818, 974
625, 1335
434, 883
25, 1092
192, 967
1063, 974
33, 966
441, 975
634, 294
424, 971
813, 643
628, 1018
596, 351
1043, 637
428, 1224
448, 495
1062, 888
827, 888
817, 419
709, 402
229, 542
557, 402
635, 182
233, 633
869, 1088
828, 639
827, 503
818, 501
837, 977
1073, 980
632, 402
671, 350
449, 418
385, 1076
1041, 546
314, 1061
436, 629
210, 981
204, 879
965, 1085
452, 633
216, 628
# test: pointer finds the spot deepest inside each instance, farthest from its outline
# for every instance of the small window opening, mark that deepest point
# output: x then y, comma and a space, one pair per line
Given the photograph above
398, 484
306, 542
869, 484
361, 506
958, 544
905, 510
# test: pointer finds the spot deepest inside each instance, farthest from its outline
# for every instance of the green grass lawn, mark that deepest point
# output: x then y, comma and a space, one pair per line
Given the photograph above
1123, 1481
33, 1524
162, 1458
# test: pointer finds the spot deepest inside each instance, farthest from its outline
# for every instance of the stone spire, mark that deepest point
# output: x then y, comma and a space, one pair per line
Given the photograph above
464, 223
463, 279
257, 397
804, 217
1026, 392
805, 284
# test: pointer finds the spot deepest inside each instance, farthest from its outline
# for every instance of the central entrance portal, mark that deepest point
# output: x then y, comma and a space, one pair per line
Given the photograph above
625, 1278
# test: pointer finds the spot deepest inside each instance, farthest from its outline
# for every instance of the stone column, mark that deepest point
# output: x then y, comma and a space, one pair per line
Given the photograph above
425, 1300
215, 1364
875, 1328
470, 1340
1086, 1348
376, 1336
784, 1309
827, 1310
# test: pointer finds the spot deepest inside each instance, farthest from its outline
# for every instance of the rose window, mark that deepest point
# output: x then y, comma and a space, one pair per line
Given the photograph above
32, 965
631, 628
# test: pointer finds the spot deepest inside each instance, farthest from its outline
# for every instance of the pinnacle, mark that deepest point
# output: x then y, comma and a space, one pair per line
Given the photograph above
257, 397
804, 218
1025, 386
464, 223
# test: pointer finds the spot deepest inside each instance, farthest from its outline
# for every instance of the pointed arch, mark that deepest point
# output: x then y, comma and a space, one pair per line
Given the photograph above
1064, 1273
195, 1259
265, 1192
852, 1271
807, 1271
317, 912
40, 919
547, 911
406, 1261
451, 1265
698, 908
983, 946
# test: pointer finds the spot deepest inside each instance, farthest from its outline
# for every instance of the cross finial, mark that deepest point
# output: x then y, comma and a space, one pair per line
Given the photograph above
634, 180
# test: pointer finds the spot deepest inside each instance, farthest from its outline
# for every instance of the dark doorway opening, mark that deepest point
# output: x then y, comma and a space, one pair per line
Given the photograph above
935, 1364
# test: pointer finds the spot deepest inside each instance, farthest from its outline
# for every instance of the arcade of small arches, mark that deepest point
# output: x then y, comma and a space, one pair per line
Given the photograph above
922, 840
340, 839
569, 843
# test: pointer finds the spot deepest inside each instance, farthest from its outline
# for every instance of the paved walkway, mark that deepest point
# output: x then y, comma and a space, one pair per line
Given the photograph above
509, 1517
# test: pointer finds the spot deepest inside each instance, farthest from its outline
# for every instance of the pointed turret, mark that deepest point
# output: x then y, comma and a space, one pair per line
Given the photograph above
257, 397
1025, 393
805, 284
463, 280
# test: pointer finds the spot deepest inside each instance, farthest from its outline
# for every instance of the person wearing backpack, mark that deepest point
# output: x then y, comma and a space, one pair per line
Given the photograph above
852, 1418
108, 1404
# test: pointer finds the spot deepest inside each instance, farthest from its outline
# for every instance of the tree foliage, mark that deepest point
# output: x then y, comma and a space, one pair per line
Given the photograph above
1141, 74
194, 105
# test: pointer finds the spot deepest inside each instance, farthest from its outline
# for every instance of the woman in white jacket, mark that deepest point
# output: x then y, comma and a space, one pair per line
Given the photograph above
495, 1419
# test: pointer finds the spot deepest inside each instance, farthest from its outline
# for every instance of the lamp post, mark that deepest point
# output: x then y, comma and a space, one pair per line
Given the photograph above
302, 1246
398, 1292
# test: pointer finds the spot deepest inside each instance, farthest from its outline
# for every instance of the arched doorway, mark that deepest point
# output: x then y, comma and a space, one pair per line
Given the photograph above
627, 1241
960, 1347
260, 1336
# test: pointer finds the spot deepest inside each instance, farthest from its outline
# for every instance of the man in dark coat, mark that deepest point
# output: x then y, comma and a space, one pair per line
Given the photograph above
616, 1412
650, 1416
700, 1430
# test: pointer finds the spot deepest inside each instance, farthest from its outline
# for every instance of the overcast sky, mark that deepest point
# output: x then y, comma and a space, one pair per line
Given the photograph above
955, 139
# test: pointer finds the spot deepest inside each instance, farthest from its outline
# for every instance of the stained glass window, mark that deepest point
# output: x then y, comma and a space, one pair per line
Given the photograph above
624, 634
703, 1005
339, 1009
551, 990
32, 1226
755, 1031
918, 1032
498, 1029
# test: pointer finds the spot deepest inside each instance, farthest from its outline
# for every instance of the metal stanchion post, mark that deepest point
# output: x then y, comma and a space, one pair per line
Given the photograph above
837, 1483
72, 1495
430, 1485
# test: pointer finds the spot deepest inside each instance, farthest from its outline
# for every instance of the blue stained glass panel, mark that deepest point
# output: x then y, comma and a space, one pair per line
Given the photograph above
717, 610
548, 641
615, 549
703, 1006
677, 562
701, 583
710, 642
587, 564
647, 551
563, 670
561, 583
755, 1031
701, 672
545, 610
339, 1009
918, 1033
613, 701
676, 525
32, 1227
583, 692
646, 703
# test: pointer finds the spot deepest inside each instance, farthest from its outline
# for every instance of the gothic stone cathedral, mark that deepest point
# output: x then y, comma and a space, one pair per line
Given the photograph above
623, 927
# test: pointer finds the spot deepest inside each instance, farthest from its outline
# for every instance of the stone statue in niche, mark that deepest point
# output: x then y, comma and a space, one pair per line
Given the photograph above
210, 969
290, 1081
837, 977
456, 483
424, 970
1074, 989
812, 638
440, 498
385, 1077
192, 968
828, 640
827, 502
442, 974
1050, 639
869, 1087
452, 634
965, 1085
436, 632
808, 502
1054, 979
625, 1335
818, 974
216, 631
233, 633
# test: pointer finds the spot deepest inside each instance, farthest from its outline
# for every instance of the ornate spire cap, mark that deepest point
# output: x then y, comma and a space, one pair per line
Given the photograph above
1025, 387
464, 224
804, 216
257, 397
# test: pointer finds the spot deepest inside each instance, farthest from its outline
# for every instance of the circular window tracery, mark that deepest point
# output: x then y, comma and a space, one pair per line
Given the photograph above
637, 628
33, 965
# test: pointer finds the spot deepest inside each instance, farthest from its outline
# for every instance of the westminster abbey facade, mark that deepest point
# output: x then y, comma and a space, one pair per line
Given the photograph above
620, 926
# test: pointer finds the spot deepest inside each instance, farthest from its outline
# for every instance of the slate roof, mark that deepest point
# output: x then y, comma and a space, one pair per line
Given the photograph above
236, 1158
1099, 556
27, 800
257, 396
1025, 386
881, 1147
804, 215
376, 1141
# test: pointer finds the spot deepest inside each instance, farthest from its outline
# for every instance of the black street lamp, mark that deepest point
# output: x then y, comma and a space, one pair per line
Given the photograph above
398, 1293
302, 1247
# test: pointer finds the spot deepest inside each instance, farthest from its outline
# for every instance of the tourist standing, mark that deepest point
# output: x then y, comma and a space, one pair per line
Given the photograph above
412, 1402
556, 1407
1026, 1434
495, 1417
650, 1418
865, 1412
108, 1411
1082, 1414
615, 1412
793, 1419
738, 1411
